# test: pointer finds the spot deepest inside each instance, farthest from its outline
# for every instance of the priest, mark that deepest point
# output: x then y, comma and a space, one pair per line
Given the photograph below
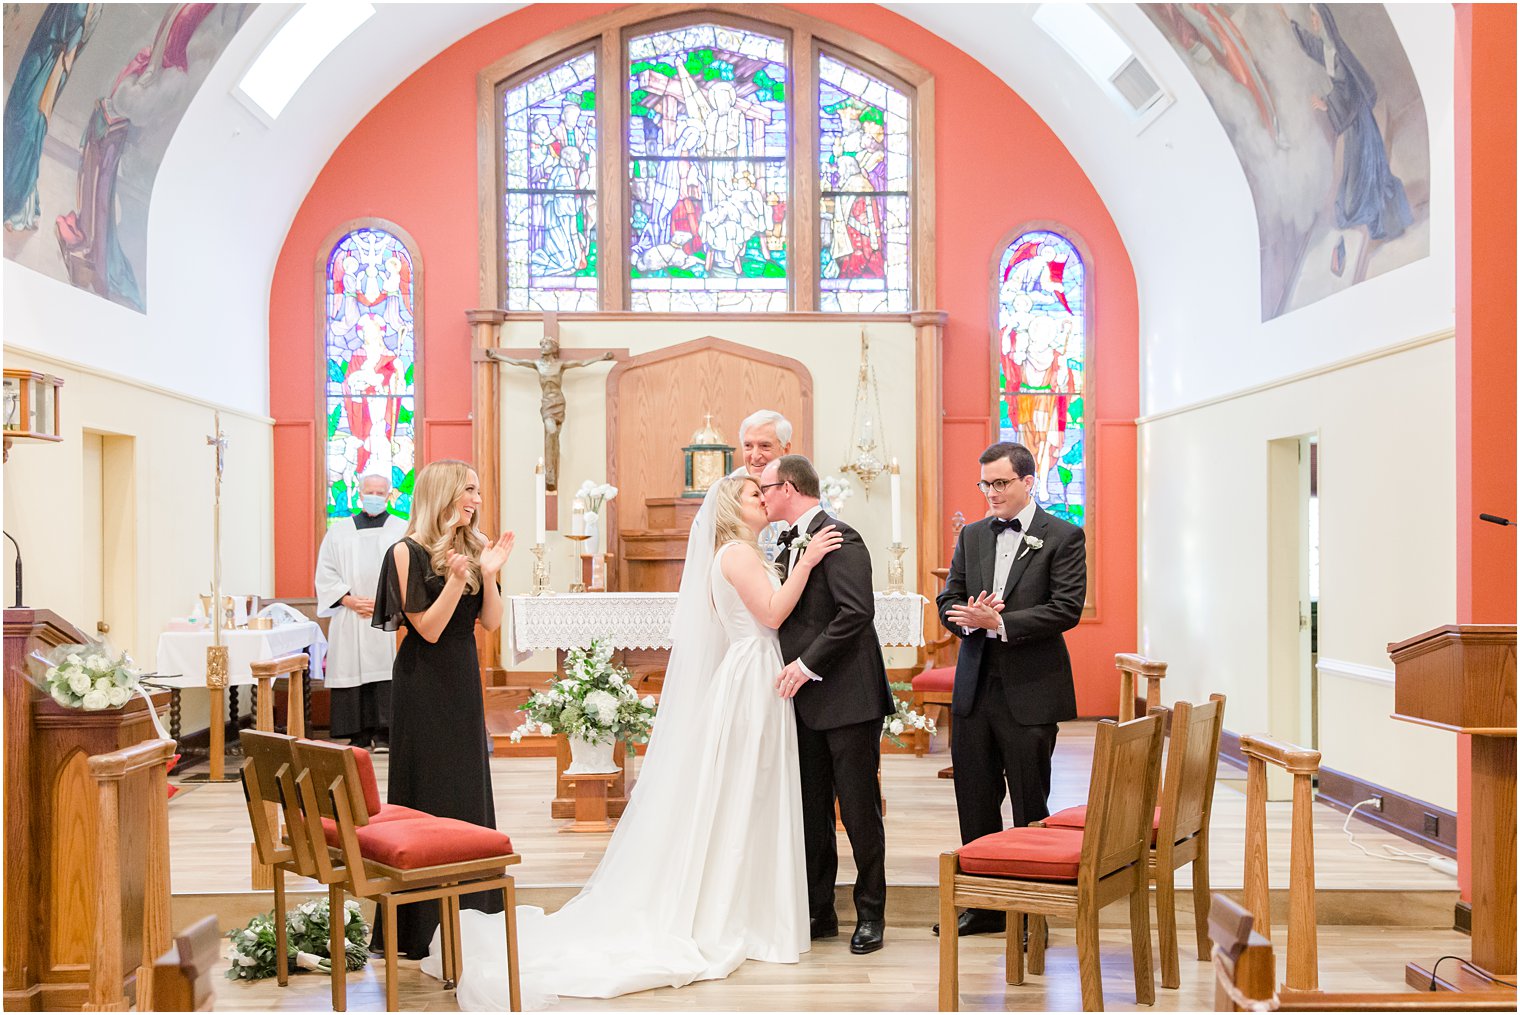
359, 656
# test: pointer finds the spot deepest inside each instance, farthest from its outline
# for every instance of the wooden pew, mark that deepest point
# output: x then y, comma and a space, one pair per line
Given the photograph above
1245, 977
132, 865
1303, 934
182, 976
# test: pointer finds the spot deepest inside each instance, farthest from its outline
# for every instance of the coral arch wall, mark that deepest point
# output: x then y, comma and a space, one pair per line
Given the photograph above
412, 160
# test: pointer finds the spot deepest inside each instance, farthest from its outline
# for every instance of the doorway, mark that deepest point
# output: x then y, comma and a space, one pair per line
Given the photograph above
1292, 594
109, 537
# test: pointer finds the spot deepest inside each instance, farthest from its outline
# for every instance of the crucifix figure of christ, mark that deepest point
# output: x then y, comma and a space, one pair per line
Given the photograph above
550, 369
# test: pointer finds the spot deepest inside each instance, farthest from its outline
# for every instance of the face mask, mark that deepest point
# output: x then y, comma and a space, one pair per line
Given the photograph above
373, 503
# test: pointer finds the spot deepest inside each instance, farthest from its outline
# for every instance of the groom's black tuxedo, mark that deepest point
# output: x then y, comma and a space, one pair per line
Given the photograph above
832, 630
1009, 695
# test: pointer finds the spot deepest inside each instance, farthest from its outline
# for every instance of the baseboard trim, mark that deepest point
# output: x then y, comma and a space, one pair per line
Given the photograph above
1229, 749
1402, 815
1461, 918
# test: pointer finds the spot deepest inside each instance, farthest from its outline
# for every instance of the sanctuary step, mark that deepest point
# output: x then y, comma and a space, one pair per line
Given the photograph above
652, 560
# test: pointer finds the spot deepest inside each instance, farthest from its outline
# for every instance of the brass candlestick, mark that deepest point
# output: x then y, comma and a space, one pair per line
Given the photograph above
541, 571
576, 585
895, 567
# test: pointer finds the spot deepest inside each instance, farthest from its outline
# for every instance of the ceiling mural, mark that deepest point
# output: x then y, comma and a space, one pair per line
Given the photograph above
1325, 114
93, 94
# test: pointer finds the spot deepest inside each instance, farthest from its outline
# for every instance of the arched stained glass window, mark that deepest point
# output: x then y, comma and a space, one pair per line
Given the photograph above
1042, 357
865, 188
708, 176
550, 188
370, 347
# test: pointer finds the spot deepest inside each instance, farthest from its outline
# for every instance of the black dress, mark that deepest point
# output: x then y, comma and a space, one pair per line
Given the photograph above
439, 749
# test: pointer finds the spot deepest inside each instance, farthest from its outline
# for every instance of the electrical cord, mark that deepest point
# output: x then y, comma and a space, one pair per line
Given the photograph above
1470, 967
1391, 852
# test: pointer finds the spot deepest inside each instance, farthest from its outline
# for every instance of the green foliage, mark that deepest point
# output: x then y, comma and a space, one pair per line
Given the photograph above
403, 415
337, 370
409, 368
332, 421
588, 99
306, 941
1065, 475
593, 701
1074, 410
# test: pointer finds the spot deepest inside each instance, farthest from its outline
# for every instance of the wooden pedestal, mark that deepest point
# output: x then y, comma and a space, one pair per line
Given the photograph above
591, 802
566, 802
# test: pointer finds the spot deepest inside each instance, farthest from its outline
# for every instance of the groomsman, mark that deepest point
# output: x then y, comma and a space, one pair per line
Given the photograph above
1017, 583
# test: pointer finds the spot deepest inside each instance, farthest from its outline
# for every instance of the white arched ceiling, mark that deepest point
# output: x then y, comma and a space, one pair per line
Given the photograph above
229, 188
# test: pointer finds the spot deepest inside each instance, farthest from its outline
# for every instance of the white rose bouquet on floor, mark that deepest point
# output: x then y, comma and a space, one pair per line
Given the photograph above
89, 676
306, 941
904, 719
594, 701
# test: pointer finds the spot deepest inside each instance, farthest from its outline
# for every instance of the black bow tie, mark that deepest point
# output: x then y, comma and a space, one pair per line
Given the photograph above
1001, 525
786, 538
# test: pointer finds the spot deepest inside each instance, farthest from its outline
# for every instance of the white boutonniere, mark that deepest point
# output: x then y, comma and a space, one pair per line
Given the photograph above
1033, 542
800, 543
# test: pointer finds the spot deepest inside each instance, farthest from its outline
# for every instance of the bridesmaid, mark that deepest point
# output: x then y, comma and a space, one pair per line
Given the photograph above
441, 578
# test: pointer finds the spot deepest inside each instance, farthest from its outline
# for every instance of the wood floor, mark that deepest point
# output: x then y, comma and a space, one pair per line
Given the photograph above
210, 838
900, 977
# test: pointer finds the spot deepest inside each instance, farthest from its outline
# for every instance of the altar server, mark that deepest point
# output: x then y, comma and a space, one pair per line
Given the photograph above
359, 657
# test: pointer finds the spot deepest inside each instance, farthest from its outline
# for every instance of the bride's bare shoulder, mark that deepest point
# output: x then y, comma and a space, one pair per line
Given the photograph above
743, 561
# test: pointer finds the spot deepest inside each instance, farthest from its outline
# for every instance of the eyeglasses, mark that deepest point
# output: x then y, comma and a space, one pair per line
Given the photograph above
771, 486
995, 485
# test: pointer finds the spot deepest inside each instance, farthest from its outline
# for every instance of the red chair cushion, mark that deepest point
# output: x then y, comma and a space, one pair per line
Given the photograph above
366, 764
1076, 817
389, 812
939, 679
429, 842
1039, 854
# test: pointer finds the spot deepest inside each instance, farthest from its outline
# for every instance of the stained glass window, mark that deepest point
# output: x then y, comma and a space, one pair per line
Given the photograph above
1042, 356
707, 170
550, 194
864, 190
371, 352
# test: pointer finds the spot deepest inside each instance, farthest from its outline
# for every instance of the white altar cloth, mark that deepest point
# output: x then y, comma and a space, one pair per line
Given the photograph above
643, 620
182, 654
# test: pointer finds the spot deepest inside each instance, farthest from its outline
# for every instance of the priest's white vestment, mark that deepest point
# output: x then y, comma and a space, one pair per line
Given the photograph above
349, 563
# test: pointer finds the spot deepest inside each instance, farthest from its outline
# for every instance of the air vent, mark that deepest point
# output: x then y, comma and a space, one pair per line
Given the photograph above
1137, 86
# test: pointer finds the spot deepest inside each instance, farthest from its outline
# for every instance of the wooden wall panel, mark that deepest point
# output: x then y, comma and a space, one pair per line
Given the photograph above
655, 403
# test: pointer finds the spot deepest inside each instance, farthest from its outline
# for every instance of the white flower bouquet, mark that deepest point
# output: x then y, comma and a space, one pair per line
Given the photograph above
90, 676
593, 701
904, 719
306, 941
595, 495
835, 490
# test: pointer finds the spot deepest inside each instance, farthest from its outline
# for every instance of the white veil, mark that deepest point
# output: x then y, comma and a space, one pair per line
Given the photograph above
617, 927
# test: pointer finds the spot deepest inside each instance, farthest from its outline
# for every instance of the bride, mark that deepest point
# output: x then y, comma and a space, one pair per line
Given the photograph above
705, 869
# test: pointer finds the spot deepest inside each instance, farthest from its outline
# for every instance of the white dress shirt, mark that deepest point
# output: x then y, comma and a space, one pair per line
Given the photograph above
1009, 543
793, 553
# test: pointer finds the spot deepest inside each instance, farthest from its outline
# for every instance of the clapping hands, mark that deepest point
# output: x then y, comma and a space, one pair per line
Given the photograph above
494, 557
980, 612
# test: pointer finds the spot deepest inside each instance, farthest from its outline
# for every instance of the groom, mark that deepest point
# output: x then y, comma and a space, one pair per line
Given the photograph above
835, 673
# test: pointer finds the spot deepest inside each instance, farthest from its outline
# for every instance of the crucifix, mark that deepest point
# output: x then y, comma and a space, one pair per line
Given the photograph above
551, 407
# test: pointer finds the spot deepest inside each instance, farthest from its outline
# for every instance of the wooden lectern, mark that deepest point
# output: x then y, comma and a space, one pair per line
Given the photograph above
1462, 678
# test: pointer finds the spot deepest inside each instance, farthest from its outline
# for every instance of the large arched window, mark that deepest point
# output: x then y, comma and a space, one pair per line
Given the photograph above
369, 327
1041, 361
708, 162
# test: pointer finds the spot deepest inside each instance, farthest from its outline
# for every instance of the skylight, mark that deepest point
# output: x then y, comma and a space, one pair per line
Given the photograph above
1106, 56
294, 51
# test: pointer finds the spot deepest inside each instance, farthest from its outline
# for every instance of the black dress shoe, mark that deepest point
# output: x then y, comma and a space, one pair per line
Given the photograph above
824, 928
978, 921
867, 937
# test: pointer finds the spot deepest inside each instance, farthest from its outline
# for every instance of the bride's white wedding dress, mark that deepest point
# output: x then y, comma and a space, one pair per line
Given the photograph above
706, 867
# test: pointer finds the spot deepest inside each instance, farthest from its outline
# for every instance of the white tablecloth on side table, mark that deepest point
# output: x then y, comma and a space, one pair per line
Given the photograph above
184, 652
643, 619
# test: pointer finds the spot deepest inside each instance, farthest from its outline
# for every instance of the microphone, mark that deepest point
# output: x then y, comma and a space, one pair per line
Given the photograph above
17, 605
1495, 519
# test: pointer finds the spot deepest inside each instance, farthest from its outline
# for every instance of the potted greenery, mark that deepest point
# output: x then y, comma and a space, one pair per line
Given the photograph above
594, 705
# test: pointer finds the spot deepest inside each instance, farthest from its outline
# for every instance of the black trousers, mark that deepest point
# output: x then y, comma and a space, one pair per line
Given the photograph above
843, 762
991, 752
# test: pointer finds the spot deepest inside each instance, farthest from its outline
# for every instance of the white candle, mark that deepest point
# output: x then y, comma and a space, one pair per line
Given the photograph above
896, 483
540, 496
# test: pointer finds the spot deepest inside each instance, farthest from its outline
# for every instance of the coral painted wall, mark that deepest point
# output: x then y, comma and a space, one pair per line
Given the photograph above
998, 166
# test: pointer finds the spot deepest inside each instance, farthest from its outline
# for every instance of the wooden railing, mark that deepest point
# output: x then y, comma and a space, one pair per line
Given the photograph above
1131, 668
1303, 936
266, 672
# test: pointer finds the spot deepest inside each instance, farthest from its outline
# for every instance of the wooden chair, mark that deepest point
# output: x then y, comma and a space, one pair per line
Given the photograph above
931, 687
397, 861
1066, 871
182, 977
132, 871
1132, 669
1182, 831
1245, 977
1303, 931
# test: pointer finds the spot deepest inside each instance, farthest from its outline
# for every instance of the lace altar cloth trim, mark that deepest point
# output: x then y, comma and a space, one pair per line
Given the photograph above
643, 619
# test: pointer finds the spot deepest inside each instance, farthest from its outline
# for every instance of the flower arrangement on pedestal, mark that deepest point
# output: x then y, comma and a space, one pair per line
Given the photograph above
835, 491
306, 930
90, 677
904, 719
593, 705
